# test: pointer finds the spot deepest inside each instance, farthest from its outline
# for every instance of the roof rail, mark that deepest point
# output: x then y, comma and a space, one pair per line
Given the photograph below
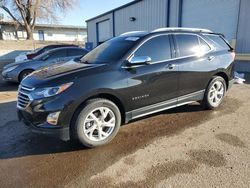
133, 32
182, 29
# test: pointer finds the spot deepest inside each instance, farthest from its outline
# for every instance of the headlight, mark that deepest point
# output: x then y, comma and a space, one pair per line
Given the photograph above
50, 91
10, 69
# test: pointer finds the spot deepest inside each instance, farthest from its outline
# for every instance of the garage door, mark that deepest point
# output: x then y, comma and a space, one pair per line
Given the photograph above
104, 32
218, 15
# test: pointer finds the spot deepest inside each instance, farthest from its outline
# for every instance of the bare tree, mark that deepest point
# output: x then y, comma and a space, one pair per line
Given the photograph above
26, 12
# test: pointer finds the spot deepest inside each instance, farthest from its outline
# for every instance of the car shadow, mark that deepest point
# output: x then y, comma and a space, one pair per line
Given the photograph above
8, 86
18, 141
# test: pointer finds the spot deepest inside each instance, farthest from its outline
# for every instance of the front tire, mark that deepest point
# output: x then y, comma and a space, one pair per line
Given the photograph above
24, 74
215, 93
98, 123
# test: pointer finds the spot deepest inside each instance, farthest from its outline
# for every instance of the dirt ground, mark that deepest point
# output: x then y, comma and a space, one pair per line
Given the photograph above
182, 147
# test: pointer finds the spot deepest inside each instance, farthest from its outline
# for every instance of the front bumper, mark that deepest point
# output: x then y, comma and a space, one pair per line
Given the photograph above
8, 76
43, 128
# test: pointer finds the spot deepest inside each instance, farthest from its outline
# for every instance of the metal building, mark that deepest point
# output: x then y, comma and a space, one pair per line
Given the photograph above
230, 17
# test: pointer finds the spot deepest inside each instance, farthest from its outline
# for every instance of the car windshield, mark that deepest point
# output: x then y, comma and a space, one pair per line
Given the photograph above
111, 50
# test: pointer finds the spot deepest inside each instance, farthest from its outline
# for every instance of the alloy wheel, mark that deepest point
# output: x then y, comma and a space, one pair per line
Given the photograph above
216, 93
99, 124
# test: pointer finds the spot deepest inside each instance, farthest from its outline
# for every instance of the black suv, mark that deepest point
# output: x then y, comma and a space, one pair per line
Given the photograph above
127, 77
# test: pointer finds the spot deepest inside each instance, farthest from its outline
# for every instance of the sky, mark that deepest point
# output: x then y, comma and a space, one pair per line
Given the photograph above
84, 10
88, 9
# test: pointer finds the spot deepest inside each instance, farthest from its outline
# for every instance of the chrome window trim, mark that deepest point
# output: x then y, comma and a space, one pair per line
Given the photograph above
154, 36
199, 37
212, 48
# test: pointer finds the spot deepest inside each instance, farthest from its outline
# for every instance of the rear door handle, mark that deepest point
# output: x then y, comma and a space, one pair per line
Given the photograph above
170, 66
210, 58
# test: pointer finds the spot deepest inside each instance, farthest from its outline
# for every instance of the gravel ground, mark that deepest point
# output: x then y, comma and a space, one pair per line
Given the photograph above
182, 147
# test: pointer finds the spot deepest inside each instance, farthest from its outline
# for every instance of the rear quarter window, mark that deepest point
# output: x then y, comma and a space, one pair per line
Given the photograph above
219, 42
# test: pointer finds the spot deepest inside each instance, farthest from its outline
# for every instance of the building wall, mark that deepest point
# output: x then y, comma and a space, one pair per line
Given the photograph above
61, 34
217, 15
149, 15
243, 35
8, 32
50, 34
92, 28
230, 17
174, 20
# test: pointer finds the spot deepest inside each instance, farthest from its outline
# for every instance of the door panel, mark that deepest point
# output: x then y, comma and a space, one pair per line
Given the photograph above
156, 82
194, 74
195, 64
152, 84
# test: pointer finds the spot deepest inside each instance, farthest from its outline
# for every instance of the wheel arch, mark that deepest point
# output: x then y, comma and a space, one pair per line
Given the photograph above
113, 98
20, 73
104, 95
224, 76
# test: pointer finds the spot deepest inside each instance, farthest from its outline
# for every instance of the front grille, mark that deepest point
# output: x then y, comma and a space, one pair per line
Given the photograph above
23, 99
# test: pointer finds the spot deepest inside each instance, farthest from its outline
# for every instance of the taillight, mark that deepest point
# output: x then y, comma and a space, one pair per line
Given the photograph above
233, 54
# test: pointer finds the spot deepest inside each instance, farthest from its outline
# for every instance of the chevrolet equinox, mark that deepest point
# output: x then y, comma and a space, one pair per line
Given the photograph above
127, 77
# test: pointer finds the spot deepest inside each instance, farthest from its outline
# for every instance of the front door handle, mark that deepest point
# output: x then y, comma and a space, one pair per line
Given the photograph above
170, 66
210, 58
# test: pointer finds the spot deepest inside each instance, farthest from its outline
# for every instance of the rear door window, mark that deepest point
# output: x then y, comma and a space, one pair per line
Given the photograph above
157, 48
188, 45
191, 45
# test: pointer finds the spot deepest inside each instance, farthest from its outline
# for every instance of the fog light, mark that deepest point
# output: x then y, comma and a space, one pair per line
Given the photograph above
53, 118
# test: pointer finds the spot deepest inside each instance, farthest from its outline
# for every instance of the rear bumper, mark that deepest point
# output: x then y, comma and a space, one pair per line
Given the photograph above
45, 128
230, 83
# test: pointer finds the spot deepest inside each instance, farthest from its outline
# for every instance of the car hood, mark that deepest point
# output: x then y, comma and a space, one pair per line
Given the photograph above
61, 69
17, 63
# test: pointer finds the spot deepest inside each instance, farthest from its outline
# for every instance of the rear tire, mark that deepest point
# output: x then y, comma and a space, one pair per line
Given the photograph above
215, 93
97, 123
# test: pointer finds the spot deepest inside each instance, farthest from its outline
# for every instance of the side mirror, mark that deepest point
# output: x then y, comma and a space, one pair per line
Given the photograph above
140, 60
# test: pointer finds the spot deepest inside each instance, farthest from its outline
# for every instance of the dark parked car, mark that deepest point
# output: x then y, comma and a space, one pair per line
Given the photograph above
127, 77
16, 72
38, 51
